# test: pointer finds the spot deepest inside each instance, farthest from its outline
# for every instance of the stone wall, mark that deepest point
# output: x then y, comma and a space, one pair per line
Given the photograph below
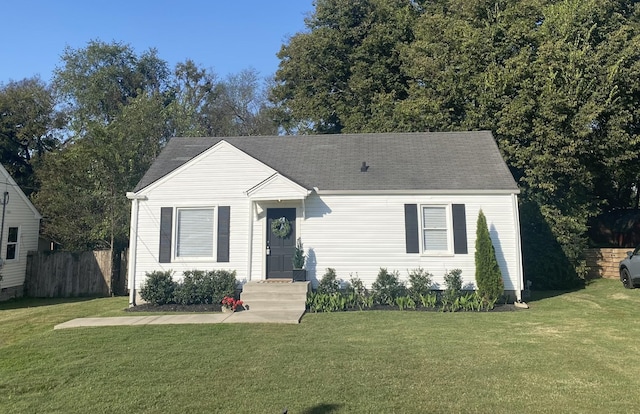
604, 262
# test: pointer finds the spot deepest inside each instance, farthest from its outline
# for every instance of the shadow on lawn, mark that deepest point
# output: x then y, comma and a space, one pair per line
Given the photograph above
536, 295
20, 303
323, 409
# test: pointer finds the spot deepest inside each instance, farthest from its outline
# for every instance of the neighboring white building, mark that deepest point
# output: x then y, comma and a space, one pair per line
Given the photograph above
358, 202
19, 235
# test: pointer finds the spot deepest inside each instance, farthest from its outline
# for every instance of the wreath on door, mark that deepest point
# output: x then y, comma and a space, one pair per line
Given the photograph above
281, 227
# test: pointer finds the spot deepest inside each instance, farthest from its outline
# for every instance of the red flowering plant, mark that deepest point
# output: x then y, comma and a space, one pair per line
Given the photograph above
231, 303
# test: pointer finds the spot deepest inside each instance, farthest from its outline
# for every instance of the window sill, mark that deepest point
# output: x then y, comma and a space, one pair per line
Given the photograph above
437, 254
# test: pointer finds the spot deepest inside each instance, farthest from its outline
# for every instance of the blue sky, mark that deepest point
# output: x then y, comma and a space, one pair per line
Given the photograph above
222, 35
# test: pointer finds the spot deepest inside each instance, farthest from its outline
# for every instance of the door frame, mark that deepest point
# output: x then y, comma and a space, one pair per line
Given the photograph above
266, 230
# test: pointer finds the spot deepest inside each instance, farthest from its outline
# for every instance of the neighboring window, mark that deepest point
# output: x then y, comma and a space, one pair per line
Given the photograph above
12, 244
195, 232
435, 229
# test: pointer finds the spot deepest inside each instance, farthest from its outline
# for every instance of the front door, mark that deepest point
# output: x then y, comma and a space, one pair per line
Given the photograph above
280, 246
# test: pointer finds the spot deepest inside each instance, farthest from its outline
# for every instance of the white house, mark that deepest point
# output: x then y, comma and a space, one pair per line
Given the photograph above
19, 229
358, 202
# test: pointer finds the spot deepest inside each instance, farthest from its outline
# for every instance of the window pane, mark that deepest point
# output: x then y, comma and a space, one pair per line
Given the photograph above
13, 235
434, 217
195, 233
435, 239
434, 228
11, 251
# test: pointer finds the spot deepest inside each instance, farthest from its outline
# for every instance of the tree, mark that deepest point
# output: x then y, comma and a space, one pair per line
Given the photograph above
29, 124
84, 183
192, 90
203, 106
488, 274
240, 107
95, 82
344, 74
116, 101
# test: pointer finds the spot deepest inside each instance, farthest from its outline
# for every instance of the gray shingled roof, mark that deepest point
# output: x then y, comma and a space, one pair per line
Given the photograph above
397, 161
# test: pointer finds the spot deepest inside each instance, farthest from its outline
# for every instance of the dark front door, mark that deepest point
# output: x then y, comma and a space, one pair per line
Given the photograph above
280, 249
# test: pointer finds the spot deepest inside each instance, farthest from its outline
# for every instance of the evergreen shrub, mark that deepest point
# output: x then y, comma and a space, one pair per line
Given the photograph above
420, 282
488, 274
328, 283
159, 287
387, 287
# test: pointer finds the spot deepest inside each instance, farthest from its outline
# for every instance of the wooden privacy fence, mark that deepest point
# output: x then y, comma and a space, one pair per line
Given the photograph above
68, 274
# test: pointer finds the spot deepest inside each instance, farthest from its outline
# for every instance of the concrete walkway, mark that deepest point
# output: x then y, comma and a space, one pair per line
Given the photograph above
247, 316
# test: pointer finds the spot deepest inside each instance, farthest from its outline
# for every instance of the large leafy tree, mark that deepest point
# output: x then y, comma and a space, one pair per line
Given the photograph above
239, 106
202, 105
191, 90
344, 74
95, 82
29, 123
84, 183
116, 102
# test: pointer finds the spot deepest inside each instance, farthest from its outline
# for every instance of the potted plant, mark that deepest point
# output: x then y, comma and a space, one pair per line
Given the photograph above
230, 304
299, 273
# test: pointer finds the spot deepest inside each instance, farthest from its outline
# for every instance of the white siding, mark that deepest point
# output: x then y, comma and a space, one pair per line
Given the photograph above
18, 213
357, 235
218, 177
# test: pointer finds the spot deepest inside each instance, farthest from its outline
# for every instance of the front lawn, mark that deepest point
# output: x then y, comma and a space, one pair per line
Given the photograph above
571, 352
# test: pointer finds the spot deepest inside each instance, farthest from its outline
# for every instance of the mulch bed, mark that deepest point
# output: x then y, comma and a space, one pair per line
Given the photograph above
214, 307
217, 308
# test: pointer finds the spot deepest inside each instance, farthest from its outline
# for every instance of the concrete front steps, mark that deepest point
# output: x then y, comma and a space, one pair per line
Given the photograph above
267, 295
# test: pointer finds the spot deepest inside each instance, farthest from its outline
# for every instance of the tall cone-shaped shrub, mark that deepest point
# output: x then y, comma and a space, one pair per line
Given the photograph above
488, 274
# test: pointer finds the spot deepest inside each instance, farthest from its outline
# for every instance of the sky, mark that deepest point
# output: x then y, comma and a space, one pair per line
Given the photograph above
225, 36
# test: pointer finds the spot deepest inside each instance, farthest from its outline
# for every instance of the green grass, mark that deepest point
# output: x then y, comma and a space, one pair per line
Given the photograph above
571, 352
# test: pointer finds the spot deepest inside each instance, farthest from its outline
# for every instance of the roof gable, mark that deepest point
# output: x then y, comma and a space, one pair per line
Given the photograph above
188, 155
277, 187
429, 161
8, 180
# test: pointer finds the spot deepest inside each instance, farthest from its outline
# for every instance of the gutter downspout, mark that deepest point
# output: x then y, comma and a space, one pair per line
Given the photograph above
516, 213
250, 242
5, 201
133, 245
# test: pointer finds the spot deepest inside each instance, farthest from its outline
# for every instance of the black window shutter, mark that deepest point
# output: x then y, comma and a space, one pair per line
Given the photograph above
459, 229
411, 230
224, 216
166, 217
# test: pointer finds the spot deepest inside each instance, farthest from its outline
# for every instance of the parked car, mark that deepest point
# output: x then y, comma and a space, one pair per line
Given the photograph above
630, 269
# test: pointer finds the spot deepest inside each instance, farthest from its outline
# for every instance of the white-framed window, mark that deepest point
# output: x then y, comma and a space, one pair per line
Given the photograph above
12, 250
195, 232
437, 226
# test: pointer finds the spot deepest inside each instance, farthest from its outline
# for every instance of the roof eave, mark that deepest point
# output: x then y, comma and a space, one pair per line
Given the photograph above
417, 191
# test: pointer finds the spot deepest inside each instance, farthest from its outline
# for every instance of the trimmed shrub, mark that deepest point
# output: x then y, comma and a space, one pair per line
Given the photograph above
387, 287
328, 284
420, 283
221, 283
453, 286
453, 281
197, 287
159, 288
190, 290
488, 274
